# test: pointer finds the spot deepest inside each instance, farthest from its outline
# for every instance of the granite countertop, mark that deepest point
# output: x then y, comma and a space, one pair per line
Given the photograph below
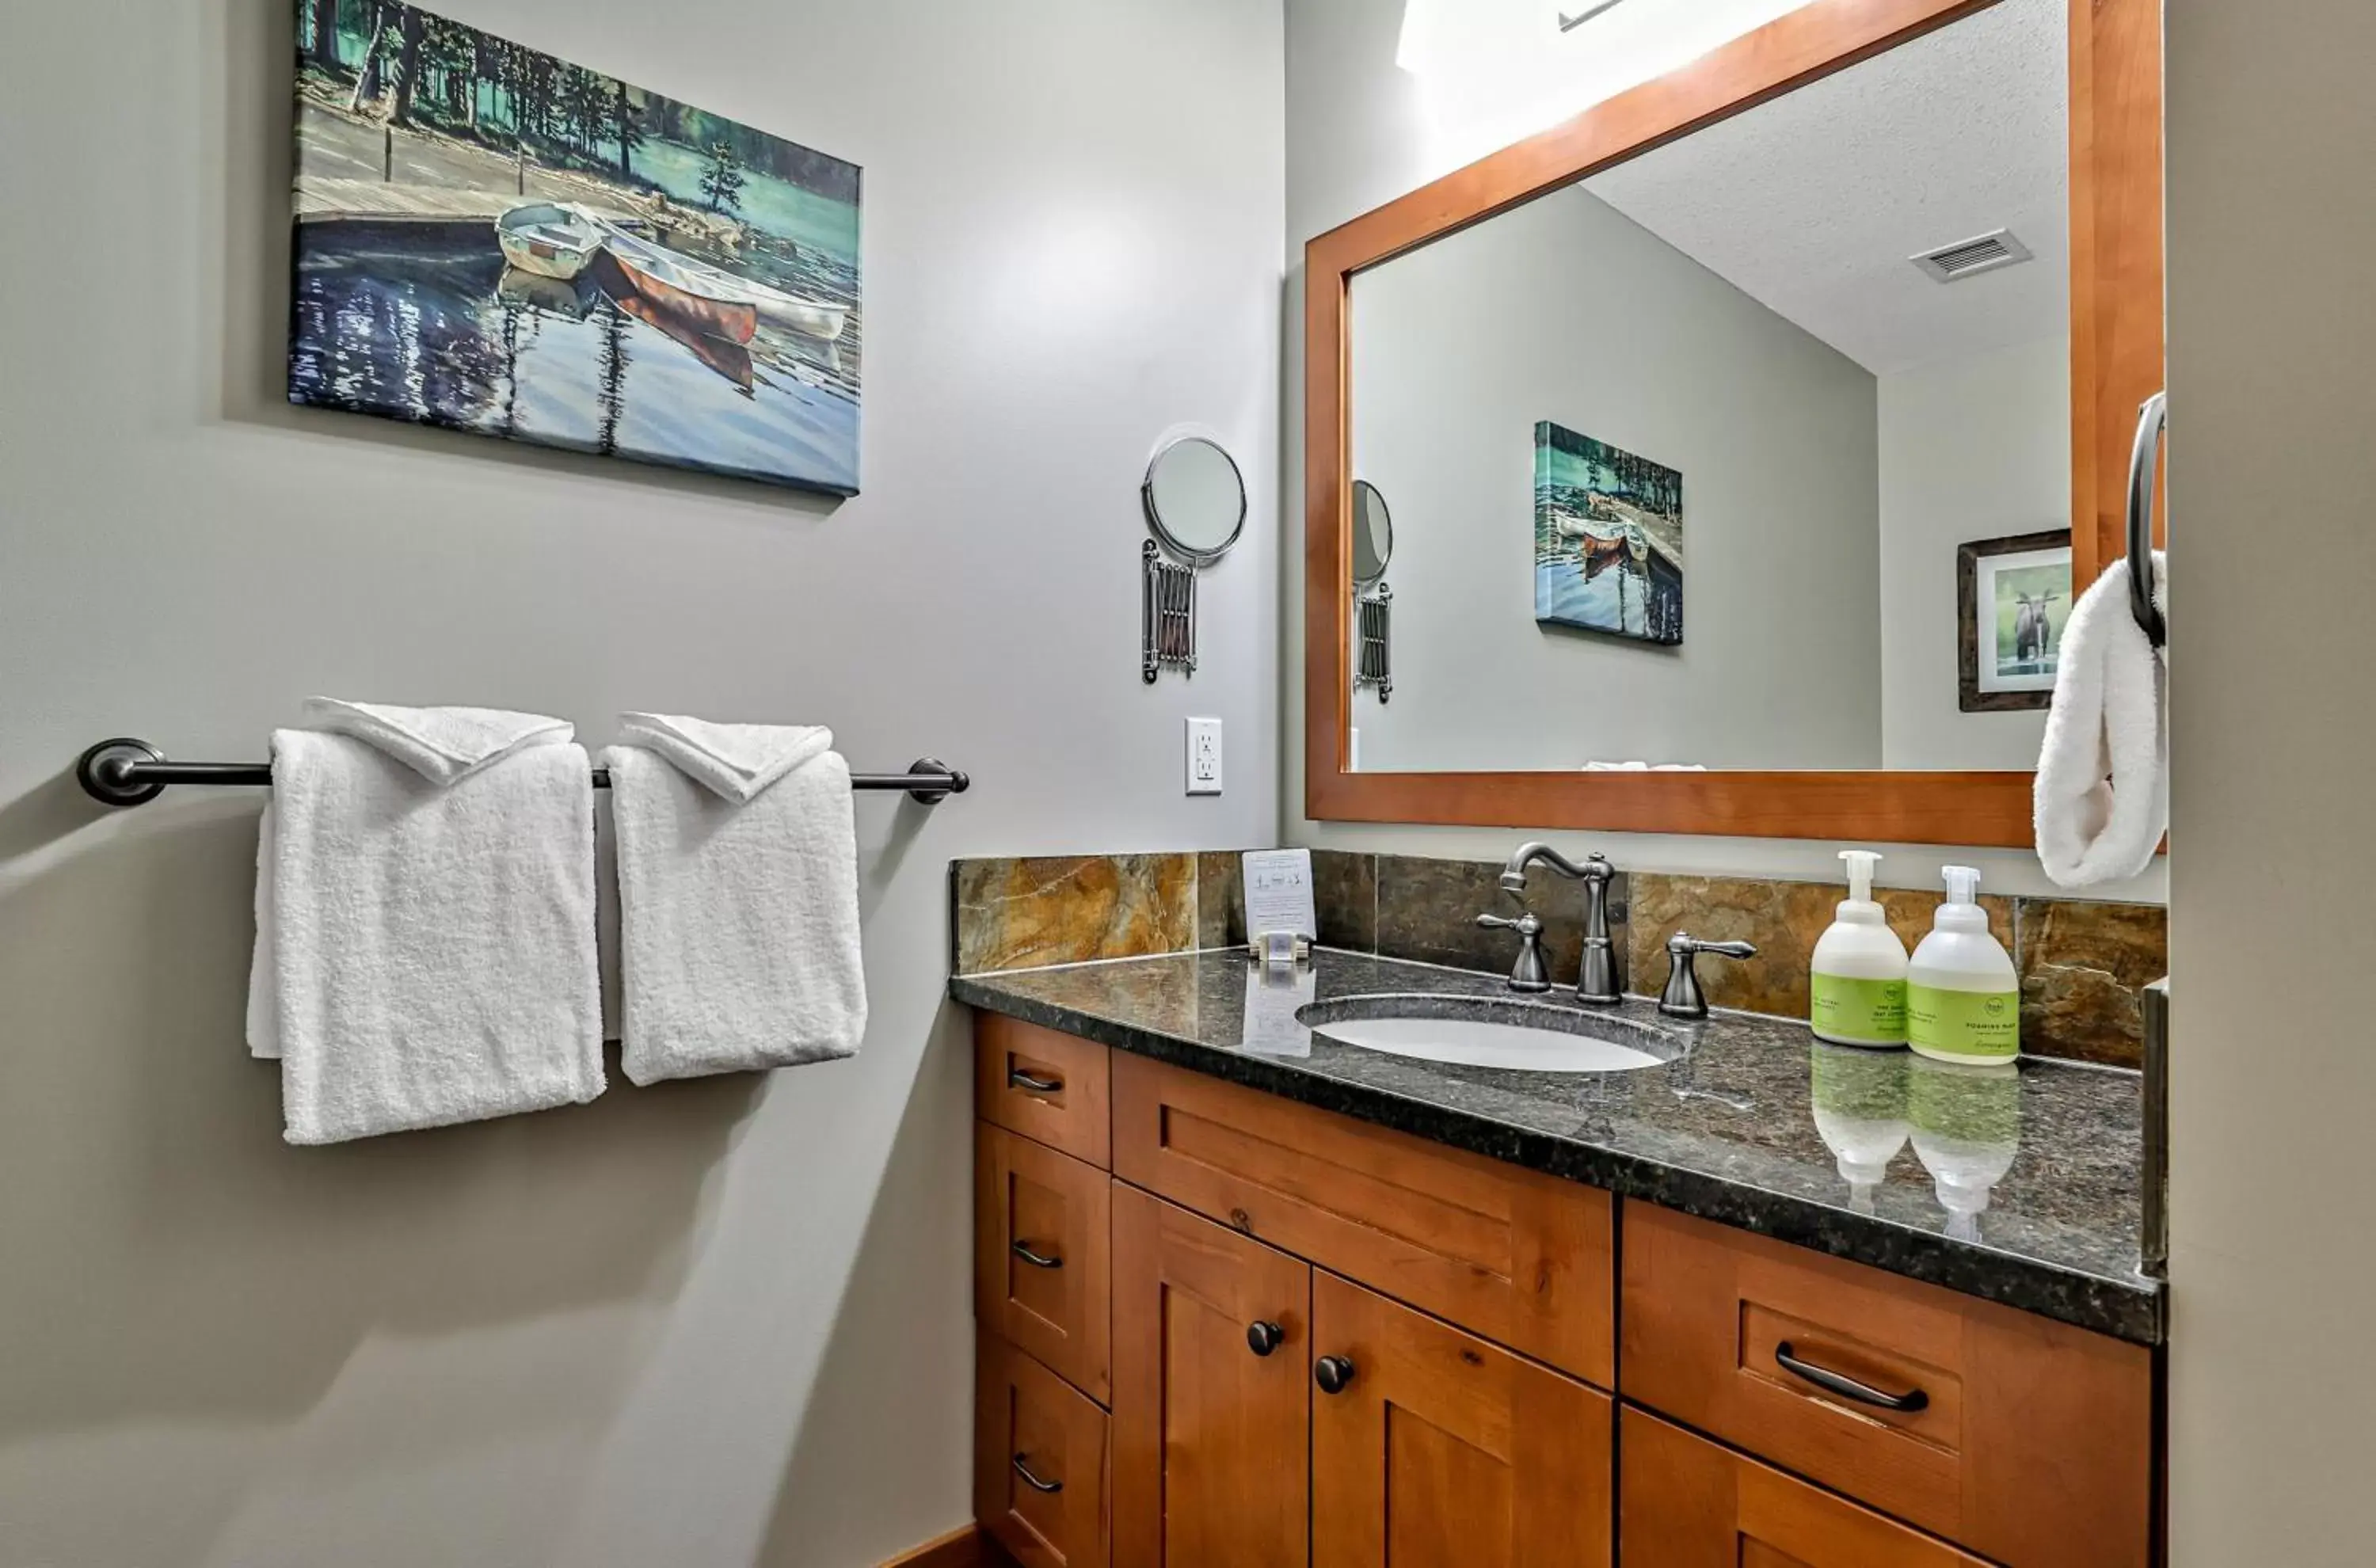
1745, 1126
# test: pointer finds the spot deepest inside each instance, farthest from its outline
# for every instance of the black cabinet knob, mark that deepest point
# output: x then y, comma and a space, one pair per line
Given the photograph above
1333, 1373
1264, 1338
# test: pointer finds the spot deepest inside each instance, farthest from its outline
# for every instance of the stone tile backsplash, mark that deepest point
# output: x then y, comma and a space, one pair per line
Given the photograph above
1024, 914
2082, 962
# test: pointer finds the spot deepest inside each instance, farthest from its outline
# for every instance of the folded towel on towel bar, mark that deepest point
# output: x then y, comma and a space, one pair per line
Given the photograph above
738, 898
425, 947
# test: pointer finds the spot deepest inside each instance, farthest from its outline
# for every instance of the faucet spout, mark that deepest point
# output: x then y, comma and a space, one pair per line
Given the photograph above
1596, 971
1514, 874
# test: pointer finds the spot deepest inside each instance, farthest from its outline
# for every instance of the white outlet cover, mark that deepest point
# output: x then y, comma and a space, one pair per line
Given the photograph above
1204, 756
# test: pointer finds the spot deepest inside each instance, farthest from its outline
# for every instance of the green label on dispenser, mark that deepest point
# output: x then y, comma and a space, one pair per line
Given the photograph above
1985, 1025
1858, 1009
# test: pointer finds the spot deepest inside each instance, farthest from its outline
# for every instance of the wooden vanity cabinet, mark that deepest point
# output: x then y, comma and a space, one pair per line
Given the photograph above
1280, 1338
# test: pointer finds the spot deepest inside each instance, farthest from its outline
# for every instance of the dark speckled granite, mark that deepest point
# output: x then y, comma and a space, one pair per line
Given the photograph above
1746, 1126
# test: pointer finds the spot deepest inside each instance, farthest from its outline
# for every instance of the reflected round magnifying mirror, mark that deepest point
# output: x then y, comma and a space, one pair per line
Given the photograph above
1195, 500
1373, 535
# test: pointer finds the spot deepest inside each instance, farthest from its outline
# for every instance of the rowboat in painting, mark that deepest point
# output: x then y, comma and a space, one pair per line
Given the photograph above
820, 319
549, 239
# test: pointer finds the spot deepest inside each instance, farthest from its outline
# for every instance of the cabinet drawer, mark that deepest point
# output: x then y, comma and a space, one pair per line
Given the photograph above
1051, 1087
2027, 1441
1041, 1464
1687, 1503
1515, 1257
1042, 1255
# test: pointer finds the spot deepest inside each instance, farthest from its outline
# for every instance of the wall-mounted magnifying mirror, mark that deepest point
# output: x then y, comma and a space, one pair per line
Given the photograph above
1195, 500
1373, 546
1373, 535
1195, 508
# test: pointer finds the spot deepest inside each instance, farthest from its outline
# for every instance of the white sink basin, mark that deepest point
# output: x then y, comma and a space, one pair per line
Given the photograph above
1477, 1032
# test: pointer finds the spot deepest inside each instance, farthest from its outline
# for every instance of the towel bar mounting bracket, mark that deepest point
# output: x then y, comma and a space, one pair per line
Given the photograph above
128, 772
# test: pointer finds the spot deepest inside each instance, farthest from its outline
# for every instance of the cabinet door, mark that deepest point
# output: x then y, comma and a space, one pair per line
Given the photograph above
1689, 1504
1438, 1450
1212, 1430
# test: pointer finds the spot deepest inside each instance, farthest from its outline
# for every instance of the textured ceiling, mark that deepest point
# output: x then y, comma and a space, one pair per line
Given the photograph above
1810, 203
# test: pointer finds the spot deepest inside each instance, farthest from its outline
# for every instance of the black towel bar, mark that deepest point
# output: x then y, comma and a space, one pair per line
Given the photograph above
128, 772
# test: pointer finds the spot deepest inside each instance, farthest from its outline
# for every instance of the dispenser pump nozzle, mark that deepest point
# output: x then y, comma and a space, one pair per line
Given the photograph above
1860, 863
1963, 883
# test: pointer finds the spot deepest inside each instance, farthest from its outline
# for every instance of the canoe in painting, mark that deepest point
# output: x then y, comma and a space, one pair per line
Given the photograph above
731, 360
820, 319
651, 275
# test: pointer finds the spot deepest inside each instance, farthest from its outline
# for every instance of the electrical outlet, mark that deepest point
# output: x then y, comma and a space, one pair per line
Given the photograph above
1204, 756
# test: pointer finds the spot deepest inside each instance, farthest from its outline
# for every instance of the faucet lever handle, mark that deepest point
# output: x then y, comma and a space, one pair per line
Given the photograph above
1682, 998
1684, 944
1531, 972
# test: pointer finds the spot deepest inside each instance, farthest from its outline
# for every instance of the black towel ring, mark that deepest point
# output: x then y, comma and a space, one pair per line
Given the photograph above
2153, 419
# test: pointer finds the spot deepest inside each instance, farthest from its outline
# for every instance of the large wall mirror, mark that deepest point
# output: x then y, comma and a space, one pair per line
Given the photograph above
1737, 431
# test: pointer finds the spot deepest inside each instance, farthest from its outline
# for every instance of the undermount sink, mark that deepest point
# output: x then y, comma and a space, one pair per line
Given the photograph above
1488, 1032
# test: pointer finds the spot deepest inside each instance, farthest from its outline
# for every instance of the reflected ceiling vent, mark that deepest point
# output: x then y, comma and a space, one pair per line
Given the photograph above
1969, 258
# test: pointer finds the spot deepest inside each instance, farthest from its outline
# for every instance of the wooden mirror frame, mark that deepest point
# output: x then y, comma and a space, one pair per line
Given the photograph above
2116, 347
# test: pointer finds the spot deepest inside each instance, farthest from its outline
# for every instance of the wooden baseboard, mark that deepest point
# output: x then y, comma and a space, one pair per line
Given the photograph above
963, 1548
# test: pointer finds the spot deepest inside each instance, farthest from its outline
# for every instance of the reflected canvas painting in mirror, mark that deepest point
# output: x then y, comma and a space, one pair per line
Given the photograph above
493, 239
1608, 539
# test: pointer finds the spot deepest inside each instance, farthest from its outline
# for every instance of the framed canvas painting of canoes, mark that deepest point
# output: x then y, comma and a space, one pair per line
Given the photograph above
493, 239
1608, 539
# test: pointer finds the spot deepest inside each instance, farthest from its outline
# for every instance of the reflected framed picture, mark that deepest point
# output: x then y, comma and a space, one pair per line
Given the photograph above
2013, 600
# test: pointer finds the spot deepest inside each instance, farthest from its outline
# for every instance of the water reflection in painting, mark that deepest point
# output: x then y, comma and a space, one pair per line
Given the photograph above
491, 240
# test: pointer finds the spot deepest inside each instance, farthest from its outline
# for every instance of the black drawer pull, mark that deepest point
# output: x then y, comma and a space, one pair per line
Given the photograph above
1264, 1337
1037, 1260
1333, 1373
1034, 1482
1016, 1079
1847, 1388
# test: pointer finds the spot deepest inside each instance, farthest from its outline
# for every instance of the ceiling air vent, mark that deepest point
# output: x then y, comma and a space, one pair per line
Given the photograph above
1968, 258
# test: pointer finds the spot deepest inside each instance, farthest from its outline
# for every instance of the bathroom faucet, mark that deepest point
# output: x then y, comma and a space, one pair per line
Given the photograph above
1597, 976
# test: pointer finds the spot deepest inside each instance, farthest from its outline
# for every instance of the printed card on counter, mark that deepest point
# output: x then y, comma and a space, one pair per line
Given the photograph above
1279, 893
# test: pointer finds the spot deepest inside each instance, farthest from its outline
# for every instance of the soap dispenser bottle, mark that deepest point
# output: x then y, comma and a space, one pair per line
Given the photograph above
1963, 1000
1857, 983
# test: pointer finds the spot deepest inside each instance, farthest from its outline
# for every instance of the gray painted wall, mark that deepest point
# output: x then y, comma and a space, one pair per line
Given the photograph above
716, 1324
1970, 448
1360, 132
2271, 1370
1566, 310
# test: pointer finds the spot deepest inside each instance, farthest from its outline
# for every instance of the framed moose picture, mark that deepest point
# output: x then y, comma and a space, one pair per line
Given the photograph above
2012, 599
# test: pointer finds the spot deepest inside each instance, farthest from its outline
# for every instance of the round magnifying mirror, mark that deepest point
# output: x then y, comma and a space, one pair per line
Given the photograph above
1195, 500
1373, 535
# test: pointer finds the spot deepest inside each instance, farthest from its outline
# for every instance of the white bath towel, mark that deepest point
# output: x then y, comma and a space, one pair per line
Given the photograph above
2101, 798
739, 947
425, 950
